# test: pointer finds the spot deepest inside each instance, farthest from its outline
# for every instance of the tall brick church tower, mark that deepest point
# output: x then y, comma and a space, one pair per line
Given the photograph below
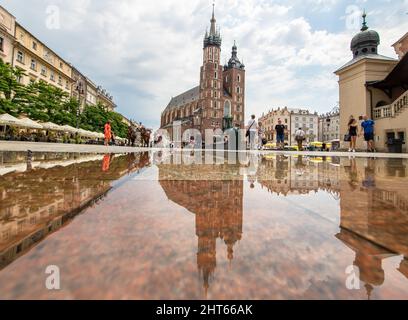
219, 100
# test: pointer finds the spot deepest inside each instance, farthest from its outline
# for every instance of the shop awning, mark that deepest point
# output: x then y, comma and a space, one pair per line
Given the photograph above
7, 119
52, 126
31, 124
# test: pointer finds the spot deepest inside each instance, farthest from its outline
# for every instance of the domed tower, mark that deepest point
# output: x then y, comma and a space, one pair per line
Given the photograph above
365, 67
366, 42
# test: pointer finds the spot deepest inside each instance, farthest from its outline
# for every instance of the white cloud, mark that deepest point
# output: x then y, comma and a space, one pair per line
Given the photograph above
144, 52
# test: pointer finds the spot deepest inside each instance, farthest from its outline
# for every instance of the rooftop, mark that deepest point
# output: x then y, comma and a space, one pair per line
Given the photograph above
186, 97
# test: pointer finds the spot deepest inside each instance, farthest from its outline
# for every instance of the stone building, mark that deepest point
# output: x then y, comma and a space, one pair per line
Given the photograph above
7, 35
375, 85
292, 119
270, 120
401, 46
308, 121
105, 99
20, 48
218, 102
329, 126
39, 62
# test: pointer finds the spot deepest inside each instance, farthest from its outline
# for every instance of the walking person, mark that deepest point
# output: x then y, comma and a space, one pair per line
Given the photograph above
108, 133
251, 132
280, 135
261, 136
353, 133
368, 127
300, 136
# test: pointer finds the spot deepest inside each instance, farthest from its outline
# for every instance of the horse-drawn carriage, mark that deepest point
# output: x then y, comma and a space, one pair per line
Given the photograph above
138, 136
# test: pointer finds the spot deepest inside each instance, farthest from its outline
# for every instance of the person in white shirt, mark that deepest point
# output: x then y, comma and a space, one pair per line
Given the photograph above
300, 136
252, 130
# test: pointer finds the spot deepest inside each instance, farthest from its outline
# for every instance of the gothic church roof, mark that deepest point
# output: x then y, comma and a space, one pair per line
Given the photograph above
184, 98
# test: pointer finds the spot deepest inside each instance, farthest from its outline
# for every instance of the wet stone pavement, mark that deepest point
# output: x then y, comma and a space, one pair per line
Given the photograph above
156, 225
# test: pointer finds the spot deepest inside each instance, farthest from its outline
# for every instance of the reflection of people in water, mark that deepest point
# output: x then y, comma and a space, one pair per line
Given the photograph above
252, 170
106, 162
300, 166
369, 179
29, 160
281, 168
353, 174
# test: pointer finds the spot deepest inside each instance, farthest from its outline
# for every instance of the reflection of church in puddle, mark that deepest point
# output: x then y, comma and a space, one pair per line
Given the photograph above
373, 203
41, 195
299, 175
374, 218
218, 208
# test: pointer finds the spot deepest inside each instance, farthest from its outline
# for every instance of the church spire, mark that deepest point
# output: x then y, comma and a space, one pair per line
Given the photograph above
214, 37
213, 30
364, 27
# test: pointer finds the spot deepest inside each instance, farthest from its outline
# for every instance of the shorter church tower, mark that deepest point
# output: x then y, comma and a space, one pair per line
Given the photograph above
234, 91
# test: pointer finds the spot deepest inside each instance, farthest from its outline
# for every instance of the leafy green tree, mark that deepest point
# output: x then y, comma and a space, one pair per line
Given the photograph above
43, 102
12, 93
46, 103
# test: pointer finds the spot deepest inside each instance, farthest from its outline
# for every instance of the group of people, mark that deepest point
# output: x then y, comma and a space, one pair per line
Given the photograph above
255, 129
367, 129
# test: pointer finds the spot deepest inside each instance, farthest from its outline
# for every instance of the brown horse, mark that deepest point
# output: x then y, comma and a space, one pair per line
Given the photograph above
145, 134
132, 135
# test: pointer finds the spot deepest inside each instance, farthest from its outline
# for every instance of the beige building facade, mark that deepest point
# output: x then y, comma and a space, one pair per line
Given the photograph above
25, 51
401, 46
105, 99
329, 126
292, 119
270, 120
376, 86
39, 62
308, 121
7, 35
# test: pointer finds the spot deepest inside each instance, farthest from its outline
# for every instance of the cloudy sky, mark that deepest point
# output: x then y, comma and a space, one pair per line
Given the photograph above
145, 52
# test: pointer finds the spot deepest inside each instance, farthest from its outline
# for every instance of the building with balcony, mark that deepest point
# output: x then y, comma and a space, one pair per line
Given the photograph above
377, 86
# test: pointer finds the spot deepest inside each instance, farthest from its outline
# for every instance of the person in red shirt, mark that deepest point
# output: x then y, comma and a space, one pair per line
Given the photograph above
108, 133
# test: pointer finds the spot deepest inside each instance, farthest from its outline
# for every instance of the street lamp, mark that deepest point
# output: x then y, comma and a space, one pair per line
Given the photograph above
79, 88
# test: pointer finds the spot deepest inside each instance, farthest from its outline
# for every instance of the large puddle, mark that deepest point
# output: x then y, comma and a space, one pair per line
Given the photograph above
168, 226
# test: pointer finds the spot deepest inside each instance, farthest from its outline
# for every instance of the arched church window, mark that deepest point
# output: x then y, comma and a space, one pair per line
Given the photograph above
227, 108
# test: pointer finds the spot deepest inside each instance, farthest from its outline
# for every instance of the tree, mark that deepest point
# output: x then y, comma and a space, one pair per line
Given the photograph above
44, 102
12, 93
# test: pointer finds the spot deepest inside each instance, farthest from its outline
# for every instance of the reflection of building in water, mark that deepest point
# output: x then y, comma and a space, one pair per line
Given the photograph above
298, 175
217, 205
38, 202
374, 215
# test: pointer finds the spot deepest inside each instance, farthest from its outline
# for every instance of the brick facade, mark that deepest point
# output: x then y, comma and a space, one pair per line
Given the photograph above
219, 100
